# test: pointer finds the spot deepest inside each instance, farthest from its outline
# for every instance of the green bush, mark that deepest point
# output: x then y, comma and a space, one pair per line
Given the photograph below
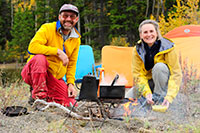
9, 76
119, 41
97, 55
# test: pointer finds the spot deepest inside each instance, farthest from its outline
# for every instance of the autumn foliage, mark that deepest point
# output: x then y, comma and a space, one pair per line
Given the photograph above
184, 13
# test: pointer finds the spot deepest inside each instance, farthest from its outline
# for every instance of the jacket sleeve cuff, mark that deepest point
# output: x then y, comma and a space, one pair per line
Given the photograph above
169, 98
146, 93
70, 81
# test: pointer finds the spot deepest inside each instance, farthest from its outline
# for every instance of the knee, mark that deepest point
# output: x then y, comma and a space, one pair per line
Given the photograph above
39, 57
39, 60
160, 68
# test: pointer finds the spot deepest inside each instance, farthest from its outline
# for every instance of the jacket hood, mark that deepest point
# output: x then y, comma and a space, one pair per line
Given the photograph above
165, 45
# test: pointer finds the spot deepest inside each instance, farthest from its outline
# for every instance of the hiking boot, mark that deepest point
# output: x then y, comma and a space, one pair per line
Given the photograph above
31, 100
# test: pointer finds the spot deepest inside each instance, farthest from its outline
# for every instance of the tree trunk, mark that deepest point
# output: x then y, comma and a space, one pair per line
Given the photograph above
101, 33
12, 12
162, 5
153, 7
86, 29
130, 36
35, 18
79, 24
147, 9
21, 59
47, 12
158, 11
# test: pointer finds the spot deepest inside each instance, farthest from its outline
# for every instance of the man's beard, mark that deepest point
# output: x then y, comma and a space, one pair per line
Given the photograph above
66, 27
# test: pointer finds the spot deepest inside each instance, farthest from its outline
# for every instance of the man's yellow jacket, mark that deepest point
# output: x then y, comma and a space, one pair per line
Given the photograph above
47, 41
167, 55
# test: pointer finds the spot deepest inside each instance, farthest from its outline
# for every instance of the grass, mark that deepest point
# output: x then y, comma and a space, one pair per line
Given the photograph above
17, 93
13, 94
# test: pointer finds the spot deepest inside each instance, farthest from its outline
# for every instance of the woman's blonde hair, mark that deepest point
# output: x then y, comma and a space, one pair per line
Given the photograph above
154, 23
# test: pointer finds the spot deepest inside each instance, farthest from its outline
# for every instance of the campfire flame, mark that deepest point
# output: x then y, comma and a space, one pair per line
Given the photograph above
132, 102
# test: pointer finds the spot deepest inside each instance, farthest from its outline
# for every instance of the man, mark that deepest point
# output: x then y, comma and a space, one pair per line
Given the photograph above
53, 53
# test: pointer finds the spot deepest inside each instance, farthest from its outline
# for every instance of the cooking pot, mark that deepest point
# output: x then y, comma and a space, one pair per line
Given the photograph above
88, 90
112, 91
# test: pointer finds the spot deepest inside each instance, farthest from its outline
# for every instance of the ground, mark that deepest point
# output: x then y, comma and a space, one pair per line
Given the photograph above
182, 116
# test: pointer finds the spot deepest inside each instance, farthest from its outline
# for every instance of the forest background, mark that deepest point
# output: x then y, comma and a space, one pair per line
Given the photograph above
102, 22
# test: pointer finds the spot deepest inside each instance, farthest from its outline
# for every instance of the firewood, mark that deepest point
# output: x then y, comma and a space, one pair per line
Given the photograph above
70, 112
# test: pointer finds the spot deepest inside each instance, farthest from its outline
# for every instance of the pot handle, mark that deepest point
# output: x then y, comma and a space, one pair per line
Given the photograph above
115, 79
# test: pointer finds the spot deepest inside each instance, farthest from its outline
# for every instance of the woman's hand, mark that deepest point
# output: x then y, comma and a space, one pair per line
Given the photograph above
63, 57
165, 103
149, 99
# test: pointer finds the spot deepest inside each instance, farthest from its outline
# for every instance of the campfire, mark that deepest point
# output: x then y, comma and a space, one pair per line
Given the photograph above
107, 101
126, 106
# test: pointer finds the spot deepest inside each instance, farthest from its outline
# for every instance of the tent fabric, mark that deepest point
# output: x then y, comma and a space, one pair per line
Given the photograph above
187, 41
117, 60
184, 31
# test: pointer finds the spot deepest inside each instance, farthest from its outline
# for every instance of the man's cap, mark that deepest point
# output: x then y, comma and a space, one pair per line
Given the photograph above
69, 7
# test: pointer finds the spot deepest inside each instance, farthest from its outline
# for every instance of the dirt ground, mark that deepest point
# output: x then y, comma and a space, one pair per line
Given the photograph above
182, 116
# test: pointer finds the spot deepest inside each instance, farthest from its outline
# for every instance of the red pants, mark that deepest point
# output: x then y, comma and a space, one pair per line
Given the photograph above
44, 85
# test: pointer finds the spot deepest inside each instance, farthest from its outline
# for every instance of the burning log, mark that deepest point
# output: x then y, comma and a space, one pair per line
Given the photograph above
69, 112
131, 108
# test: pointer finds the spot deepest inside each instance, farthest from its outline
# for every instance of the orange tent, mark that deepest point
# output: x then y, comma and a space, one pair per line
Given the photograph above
187, 41
117, 60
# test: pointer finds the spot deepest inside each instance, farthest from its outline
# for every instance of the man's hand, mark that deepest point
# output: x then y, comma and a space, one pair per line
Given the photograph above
72, 92
149, 99
165, 103
63, 57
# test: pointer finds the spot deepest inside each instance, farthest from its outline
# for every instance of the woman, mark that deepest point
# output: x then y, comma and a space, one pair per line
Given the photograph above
156, 69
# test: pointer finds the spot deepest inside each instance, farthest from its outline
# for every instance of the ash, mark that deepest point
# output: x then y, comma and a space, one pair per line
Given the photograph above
177, 112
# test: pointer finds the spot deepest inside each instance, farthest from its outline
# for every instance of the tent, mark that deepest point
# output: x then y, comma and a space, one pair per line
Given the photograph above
187, 41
